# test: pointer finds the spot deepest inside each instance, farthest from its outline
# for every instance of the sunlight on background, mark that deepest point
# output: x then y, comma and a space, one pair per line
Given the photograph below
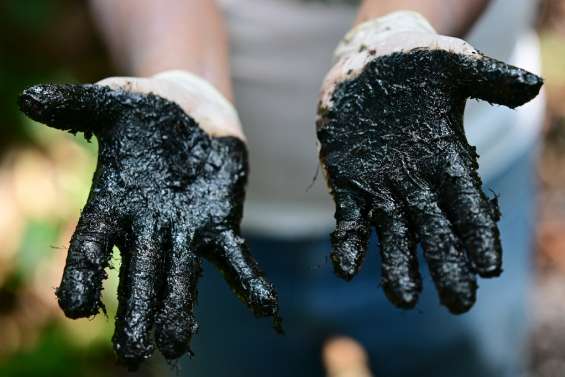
42, 189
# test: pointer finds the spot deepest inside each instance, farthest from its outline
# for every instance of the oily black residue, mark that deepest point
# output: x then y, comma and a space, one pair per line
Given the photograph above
396, 157
166, 194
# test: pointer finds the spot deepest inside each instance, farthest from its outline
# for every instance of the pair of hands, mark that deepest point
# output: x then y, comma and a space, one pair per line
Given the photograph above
169, 185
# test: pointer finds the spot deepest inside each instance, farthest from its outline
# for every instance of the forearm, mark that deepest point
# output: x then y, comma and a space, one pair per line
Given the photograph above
448, 17
149, 36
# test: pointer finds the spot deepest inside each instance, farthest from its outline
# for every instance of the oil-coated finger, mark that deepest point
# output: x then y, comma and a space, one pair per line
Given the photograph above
70, 107
241, 271
401, 279
88, 256
351, 234
175, 323
137, 295
497, 82
447, 260
473, 218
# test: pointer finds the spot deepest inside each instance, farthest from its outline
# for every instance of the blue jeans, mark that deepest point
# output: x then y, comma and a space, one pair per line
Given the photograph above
428, 341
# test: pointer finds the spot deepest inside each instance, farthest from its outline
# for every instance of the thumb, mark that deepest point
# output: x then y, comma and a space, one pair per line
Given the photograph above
497, 82
71, 108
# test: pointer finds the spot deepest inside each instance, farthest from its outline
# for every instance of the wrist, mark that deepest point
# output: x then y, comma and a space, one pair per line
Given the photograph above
373, 31
397, 32
197, 97
207, 69
212, 109
399, 20
372, 9
448, 17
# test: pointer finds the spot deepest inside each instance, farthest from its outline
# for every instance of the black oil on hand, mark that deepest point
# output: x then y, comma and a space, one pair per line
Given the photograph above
166, 194
396, 158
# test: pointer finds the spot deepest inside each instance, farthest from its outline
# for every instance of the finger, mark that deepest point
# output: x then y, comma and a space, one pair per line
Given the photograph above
351, 234
448, 264
401, 279
175, 323
139, 279
473, 217
70, 107
497, 82
79, 294
243, 275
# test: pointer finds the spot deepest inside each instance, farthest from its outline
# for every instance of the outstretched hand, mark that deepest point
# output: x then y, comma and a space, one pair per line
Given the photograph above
395, 154
166, 193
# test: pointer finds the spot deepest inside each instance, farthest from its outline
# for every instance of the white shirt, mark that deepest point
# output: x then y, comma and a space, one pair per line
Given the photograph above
281, 51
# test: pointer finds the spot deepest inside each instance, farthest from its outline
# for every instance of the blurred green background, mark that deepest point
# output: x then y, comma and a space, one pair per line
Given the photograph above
45, 177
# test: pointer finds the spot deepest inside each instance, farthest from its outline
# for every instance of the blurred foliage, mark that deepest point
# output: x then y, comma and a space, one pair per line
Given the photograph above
55, 355
553, 54
44, 180
43, 41
551, 223
548, 336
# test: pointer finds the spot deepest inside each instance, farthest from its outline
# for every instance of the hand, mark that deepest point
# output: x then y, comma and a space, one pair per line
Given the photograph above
395, 155
166, 193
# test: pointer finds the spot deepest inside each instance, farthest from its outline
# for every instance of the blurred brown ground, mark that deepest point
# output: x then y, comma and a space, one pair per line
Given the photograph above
548, 336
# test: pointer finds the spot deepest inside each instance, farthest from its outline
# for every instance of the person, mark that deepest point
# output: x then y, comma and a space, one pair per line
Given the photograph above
279, 52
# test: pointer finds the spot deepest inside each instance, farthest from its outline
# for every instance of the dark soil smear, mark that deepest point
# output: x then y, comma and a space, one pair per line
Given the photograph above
396, 158
166, 194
